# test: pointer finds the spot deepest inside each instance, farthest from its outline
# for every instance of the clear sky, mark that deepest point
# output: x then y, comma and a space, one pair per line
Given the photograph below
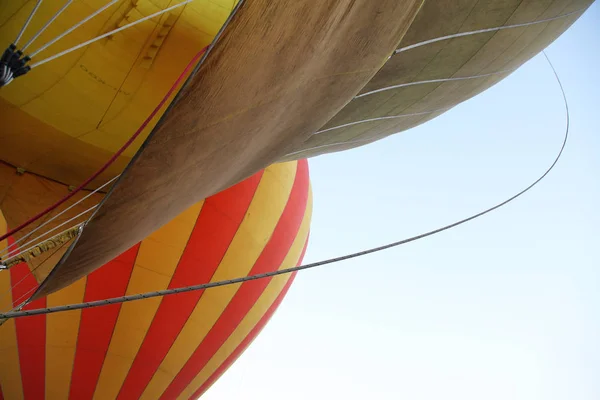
506, 307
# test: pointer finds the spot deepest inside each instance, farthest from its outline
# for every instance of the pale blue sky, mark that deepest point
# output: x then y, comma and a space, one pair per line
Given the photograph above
506, 307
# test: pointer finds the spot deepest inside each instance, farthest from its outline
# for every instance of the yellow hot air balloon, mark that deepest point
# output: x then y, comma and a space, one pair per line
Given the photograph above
170, 347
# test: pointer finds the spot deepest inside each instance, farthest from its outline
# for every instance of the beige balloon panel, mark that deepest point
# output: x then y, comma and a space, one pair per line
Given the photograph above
467, 56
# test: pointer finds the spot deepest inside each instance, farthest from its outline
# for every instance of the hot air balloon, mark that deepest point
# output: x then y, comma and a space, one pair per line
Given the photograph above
279, 81
282, 80
163, 347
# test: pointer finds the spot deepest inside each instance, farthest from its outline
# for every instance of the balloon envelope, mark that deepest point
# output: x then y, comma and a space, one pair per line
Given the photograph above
164, 347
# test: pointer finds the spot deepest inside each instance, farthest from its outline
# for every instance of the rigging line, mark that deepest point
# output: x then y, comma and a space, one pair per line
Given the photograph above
405, 85
382, 119
71, 29
67, 51
114, 156
3, 295
20, 301
123, 299
37, 242
47, 24
499, 28
461, 78
35, 8
6, 72
28, 236
330, 145
13, 256
7, 75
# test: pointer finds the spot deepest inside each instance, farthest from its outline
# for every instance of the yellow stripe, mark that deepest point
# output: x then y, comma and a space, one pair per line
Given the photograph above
10, 372
61, 340
257, 311
249, 241
155, 264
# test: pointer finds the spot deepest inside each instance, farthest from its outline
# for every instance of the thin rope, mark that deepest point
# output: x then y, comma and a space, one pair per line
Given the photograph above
24, 295
123, 299
36, 240
21, 252
8, 292
28, 236
5, 72
46, 25
44, 246
71, 29
499, 28
382, 119
7, 75
62, 53
115, 156
24, 27
19, 301
331, 145
460, 78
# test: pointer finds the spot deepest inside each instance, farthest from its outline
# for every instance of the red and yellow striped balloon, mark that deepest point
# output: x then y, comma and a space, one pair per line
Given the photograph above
173, 347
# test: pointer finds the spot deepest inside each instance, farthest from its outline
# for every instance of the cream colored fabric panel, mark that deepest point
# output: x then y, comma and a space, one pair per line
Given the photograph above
497, 53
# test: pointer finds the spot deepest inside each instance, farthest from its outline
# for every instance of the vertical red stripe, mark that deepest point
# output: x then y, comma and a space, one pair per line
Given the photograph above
246, 342
270, 259
1, 396
31, 333
217, 224
97, 324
